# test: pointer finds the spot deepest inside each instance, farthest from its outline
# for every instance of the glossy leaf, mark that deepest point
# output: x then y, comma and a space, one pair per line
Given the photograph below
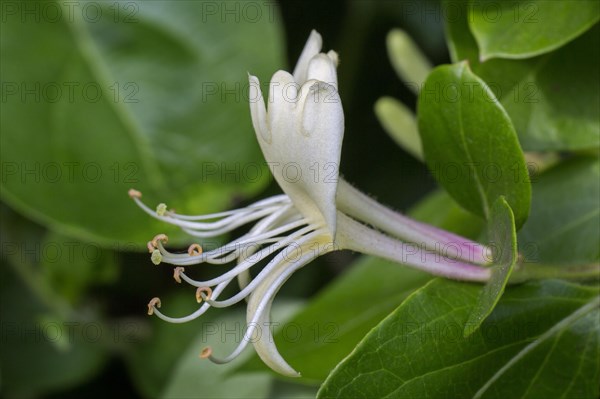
526, 28
552, 99
519, 351
144, 95
43, 352
290, 390
564, 225
470, 144
503, 241
72, 266
47, 346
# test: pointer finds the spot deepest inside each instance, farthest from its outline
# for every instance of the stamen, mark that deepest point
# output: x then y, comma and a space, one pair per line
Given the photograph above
176, 273
206, 353
199, 312
150, 247
194, 250
134, 193
275, 200
203, 293
154, 302
159, 237
156, 257
223, 226
299, 237
268, 270
161, 209
272, 284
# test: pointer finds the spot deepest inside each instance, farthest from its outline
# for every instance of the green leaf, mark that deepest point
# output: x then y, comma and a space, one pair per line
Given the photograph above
401, 124
552, 100
289, 390
470, 144
326, 330
564, 225
71, 266
47, 346
43, 352
144, 95
526, 28
585, 319
503, 241
542, 340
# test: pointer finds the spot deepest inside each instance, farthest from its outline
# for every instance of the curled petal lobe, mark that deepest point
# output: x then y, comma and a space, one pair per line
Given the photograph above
258, 110
334, 57
311, 48
322, 67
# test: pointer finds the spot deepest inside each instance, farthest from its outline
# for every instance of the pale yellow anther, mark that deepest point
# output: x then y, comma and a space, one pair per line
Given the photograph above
156, 257
195, 250
203, 293
161, 209
133, 193
177, 273
159, 237
206, 352
154, 302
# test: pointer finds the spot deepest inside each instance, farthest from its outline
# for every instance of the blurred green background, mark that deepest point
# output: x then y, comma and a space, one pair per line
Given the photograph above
98, 97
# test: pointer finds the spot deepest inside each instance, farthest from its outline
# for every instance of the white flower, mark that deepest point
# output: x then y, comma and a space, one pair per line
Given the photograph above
303, 126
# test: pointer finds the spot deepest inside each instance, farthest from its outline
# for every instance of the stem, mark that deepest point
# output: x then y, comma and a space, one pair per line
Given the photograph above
533, 271
360, 238
361, 207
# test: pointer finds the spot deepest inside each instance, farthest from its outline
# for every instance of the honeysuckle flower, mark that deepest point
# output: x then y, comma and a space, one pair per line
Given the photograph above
303, 125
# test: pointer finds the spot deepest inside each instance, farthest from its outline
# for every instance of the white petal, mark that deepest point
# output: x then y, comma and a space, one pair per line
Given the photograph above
258, 312
283, 94
322, 67
258, 111
305, 133
322, 122
311, 48
259, 304
334, 57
